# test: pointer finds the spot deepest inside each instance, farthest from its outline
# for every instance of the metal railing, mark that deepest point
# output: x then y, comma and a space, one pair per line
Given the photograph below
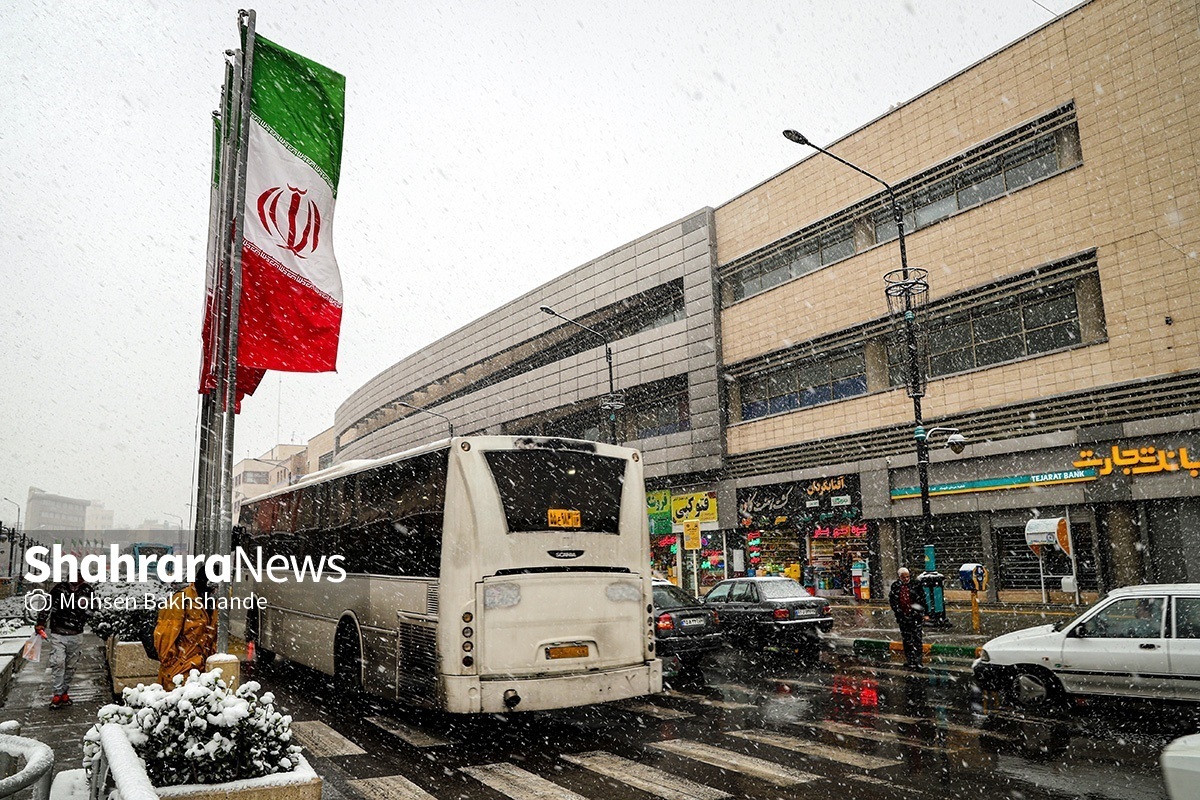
129, 776
39, 762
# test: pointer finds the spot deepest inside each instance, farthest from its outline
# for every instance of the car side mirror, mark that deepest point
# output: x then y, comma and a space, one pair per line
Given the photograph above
1080, 631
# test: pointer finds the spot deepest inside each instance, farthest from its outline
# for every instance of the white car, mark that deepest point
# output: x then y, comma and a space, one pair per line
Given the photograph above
1140, 641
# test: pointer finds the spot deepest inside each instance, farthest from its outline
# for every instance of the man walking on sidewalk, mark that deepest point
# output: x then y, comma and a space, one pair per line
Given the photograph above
69, 608
909, 607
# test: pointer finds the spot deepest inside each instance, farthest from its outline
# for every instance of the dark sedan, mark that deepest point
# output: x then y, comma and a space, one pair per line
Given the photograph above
762, 613
683, 627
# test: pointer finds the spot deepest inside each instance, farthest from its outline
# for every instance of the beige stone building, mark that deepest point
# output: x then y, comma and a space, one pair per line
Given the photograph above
1051, 193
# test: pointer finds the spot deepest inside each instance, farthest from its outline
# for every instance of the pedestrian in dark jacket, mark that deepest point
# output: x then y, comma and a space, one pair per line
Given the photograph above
68, 610
908, 604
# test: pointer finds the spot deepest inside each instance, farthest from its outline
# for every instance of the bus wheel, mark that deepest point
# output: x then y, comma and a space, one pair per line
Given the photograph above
347, 659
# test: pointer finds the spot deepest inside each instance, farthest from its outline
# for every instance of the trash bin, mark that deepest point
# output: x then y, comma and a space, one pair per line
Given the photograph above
933, 585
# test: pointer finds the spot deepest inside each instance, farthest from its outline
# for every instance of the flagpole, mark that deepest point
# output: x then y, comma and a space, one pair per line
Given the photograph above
206, 472
225, 531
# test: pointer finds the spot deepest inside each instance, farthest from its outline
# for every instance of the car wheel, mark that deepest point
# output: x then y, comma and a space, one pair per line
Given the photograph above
1035, 689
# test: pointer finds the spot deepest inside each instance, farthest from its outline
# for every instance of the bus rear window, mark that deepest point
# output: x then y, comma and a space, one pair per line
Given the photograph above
544, 490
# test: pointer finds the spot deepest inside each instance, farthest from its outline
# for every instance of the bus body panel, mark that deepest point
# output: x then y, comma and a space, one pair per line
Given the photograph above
602, 629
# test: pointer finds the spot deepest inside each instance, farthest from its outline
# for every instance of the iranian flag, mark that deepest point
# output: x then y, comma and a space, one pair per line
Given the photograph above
291, 304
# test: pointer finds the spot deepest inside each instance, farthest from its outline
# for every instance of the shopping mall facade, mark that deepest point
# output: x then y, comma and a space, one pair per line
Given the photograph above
1051, 193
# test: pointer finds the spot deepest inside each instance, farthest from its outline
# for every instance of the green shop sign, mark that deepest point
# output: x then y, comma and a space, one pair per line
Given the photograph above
994, 484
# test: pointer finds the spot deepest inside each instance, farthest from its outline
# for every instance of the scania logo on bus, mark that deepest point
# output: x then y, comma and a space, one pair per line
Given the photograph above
297, 226
565, 553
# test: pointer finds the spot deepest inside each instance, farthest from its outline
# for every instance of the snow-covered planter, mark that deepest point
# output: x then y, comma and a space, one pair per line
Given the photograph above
129, 666
202, 740
126, 610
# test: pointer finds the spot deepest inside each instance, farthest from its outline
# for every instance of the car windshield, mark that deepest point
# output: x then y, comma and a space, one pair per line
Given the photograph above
668, 597
781, 589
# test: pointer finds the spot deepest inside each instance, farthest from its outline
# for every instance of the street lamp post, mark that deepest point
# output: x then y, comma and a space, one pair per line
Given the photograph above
908, 288
612, 403
449, 424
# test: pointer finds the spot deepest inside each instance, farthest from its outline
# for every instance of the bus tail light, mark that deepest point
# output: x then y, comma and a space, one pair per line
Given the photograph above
782, 613
665, 623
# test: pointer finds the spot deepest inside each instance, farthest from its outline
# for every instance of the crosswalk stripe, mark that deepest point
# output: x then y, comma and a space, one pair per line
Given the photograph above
411, 735
794, 684
392, 787
719, 757
941, 725
512, 781
870, 734
647, 779
811, 748
323, 741
708, 701
651, 710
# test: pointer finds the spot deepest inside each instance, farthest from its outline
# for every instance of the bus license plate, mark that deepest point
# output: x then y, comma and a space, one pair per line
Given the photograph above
567, 651
564, 518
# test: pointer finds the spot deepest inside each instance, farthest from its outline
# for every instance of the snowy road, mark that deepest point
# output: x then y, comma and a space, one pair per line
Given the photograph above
743, 729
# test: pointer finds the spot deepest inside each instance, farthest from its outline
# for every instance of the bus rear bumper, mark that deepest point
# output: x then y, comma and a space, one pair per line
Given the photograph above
469, 695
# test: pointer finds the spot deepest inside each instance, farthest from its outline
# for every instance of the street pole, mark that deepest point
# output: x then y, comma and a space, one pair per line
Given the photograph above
611, 403
911, 286
449, 424
13, 539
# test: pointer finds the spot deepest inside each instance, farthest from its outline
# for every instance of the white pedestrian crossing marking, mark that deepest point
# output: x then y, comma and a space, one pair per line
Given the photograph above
708, 701
323, 741
814, 749
393, 787
512, 781
941, 725
651, 710
762, 769
870, 734
647, 779
411, 735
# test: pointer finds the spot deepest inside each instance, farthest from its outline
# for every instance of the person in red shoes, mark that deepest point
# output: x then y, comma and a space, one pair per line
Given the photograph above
65, 615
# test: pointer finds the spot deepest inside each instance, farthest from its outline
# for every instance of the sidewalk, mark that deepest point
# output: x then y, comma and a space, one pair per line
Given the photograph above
62, 728
868, 629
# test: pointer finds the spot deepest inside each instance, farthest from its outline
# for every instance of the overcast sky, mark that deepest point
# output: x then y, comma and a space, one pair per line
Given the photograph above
489, 147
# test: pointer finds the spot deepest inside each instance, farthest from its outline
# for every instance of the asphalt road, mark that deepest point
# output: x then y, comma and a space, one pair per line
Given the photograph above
745, 728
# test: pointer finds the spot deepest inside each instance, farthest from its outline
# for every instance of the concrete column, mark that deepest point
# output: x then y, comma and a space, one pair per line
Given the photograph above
889, 548
1120, 524
991, 558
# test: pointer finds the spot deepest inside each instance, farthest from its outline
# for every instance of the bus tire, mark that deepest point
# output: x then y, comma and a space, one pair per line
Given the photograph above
347, 659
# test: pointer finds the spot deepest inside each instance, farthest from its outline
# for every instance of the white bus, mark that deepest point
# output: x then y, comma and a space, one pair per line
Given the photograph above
485, 574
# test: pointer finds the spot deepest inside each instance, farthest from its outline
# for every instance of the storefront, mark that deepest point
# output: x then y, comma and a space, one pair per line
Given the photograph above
686, 545
811, 530
1133, 505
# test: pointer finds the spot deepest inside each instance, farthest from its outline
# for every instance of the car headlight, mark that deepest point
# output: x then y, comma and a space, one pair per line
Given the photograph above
983, 655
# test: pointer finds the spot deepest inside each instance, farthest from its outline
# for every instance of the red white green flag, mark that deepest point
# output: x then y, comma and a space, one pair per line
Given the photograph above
291, 304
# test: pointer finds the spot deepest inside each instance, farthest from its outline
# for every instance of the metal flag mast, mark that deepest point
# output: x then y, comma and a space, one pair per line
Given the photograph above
214, 489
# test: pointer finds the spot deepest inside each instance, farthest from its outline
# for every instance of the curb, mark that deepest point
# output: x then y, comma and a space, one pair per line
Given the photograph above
884, 648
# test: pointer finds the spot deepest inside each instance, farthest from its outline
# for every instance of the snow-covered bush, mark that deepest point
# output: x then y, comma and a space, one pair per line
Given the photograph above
200, 731
126, 609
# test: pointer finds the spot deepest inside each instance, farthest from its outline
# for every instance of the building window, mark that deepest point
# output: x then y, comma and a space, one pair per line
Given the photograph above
1019, 158
1031, 323
655, 409
823, 379
325, 461
249, 476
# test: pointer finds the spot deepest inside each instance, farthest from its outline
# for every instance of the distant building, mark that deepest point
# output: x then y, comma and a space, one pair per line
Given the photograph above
252, 476
320, 451
98, 518
54, 512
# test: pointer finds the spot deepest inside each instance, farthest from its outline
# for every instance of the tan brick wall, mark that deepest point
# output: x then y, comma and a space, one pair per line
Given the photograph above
1131, 67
